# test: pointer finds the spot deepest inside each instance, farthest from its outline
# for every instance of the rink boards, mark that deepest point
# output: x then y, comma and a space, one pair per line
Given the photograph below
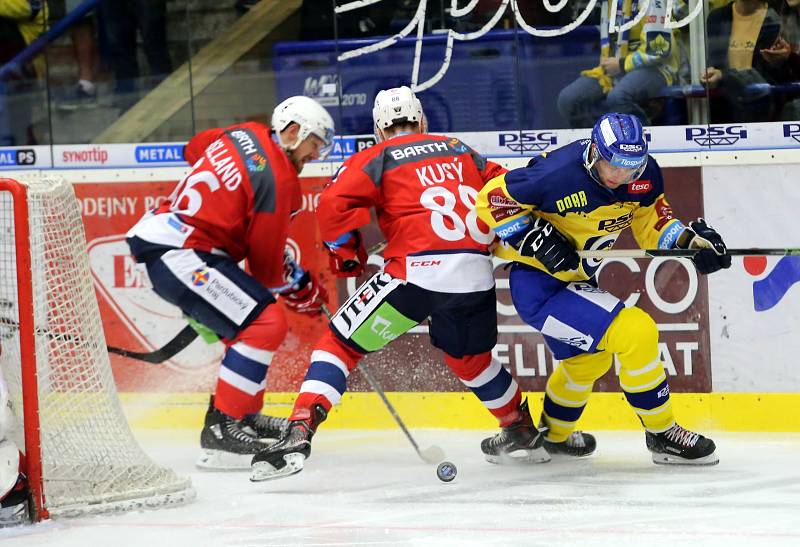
728, 341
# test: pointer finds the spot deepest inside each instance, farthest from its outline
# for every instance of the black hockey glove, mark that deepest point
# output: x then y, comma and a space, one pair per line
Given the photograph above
713, 252
549, 246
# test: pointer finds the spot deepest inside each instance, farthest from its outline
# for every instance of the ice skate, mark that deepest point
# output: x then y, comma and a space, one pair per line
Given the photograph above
679, 446
577, 445
518, 443
225, 443
287, 456
267, 429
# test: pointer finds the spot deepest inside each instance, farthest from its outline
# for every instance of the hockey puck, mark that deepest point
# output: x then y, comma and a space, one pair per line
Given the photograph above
446, 471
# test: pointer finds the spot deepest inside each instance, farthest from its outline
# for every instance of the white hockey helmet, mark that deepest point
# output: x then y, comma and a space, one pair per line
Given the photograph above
396, 105
310, 116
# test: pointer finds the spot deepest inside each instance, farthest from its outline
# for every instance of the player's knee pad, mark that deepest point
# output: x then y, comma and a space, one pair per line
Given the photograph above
267, 331
583, 369
631, 330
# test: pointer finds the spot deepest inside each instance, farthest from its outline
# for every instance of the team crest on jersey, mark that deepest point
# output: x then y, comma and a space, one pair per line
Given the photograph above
200, 277
457, 145
664, 212
256, 163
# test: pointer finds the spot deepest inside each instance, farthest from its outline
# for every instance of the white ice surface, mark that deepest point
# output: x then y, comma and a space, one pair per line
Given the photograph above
369, 488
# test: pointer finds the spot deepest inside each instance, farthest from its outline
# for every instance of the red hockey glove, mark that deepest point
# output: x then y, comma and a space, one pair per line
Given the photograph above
347, 256
308, 297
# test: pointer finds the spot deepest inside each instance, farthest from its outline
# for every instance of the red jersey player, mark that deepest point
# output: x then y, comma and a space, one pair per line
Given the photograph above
438, 265
235, 204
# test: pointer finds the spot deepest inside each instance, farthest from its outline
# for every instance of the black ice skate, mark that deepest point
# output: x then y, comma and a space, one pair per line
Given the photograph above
267, 429
14, 506
517, 443
287, 456
679, 446
224, 442
578, 444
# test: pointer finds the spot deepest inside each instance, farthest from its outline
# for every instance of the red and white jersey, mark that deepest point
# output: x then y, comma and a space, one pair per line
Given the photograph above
423, 188
237, 200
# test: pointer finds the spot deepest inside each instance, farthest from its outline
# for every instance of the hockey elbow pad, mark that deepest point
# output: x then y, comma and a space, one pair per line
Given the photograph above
713, 254
347, 256
549, 246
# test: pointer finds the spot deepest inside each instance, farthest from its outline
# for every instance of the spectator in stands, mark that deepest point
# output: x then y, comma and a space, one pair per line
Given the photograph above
784, 55
84, 47
739, 34
634, 67
122, 19
21, 22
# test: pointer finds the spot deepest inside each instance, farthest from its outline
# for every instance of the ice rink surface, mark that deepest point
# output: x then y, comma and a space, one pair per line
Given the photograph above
369, 488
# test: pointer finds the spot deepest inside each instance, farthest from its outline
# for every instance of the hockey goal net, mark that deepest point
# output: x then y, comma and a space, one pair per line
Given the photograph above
80, 453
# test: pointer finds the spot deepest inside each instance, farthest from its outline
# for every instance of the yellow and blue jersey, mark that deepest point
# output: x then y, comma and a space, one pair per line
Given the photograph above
558, 188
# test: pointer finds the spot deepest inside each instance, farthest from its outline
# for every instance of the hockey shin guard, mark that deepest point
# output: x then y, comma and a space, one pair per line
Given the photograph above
568, 390
326, 377
633, 336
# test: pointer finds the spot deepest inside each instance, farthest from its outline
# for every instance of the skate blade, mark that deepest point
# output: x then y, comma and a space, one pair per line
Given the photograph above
520, 457
219, 460
669, 459
263, 471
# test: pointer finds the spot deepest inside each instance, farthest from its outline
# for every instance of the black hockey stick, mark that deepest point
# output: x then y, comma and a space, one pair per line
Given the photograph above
677, 253
432, 454
166, 352
178, 343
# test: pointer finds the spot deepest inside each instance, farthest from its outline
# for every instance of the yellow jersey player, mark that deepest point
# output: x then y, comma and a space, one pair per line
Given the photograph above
581, 197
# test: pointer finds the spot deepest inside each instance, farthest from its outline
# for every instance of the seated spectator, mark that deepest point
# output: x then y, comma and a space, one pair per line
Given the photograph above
634, 67
784, 56
737, 36
21, 22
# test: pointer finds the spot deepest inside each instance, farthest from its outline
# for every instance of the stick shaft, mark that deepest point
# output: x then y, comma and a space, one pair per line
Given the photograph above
376, 387
677, 253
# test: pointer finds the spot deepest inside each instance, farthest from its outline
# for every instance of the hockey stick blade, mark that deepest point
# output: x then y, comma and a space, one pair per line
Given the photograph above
681, 253
169, 350
178, 343
433, 454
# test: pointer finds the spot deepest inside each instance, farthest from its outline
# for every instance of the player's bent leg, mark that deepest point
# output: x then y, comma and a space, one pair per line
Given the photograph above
234, 428
633, 336
567, 391
518, 441
324, 384
367, 322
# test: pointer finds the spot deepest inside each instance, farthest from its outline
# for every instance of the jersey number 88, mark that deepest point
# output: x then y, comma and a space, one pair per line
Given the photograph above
442, 204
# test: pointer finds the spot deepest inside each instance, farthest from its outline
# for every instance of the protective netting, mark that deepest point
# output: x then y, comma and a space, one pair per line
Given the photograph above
90, 459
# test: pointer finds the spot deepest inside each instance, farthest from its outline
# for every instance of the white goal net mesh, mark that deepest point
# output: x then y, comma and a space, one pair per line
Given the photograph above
90, 459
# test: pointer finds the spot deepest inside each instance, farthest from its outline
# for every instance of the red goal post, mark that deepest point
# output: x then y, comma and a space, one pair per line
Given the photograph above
80, 454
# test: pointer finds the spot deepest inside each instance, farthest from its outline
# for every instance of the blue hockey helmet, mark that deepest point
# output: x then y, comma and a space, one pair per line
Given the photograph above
619, 139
